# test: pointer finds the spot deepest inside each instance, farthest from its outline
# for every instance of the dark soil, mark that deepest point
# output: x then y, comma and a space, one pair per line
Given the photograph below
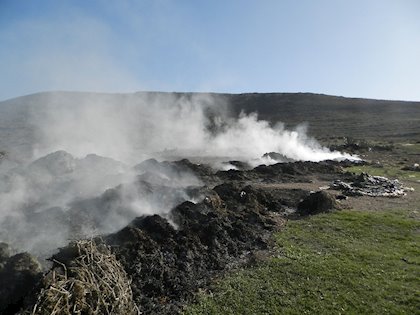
168, 265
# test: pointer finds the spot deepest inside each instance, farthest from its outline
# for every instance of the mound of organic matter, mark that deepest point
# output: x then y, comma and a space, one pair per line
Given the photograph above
284, 172
85, 279
317, 202
168, 265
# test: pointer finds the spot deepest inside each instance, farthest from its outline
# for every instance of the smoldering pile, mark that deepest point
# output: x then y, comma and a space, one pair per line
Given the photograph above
167, 257
73, 198
167, 228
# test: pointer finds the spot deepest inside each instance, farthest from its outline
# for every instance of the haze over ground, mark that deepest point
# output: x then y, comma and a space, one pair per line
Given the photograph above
351, 48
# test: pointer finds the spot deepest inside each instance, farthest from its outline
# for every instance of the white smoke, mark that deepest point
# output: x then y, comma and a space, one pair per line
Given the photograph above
249, 139
87, 143
139, 126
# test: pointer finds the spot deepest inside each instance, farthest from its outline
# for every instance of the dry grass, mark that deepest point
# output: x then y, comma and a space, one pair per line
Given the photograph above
94, 282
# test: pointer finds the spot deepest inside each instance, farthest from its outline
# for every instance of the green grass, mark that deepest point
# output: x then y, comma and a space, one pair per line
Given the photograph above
392, 172
349, 262
410, 147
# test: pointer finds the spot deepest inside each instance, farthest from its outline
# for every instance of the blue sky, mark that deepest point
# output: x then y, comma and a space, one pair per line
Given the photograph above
358, 48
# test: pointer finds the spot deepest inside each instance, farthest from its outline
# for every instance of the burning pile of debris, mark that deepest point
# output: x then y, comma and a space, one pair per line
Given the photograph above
156, 263
168, 265
374, 186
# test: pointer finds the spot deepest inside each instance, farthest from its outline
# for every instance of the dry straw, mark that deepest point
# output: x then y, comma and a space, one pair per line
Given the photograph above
93, 282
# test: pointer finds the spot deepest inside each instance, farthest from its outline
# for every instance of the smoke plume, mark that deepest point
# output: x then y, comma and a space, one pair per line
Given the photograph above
138, 126
82, 181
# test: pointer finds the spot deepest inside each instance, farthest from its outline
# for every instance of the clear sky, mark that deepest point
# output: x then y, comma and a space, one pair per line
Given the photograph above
358, 48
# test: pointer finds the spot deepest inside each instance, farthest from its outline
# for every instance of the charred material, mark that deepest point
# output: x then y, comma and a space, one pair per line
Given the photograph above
18, 276
373, 186
284, 172
167, 265
176, 170
101, 212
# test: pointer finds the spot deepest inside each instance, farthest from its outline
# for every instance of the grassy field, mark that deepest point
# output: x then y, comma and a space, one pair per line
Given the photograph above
348, 262
392, 172
402, 154
410, 148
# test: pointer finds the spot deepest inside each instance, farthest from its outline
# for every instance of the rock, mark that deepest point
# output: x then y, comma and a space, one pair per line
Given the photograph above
317, 202
18, 278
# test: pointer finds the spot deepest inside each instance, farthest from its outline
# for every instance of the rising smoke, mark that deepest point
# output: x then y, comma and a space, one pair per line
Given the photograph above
81, 180
133, 127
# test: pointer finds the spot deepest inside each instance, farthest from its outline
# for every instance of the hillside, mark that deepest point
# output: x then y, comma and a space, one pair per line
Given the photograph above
333, 116
327, 116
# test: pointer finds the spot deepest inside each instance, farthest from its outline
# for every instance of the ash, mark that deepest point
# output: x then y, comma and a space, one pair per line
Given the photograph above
373, 186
